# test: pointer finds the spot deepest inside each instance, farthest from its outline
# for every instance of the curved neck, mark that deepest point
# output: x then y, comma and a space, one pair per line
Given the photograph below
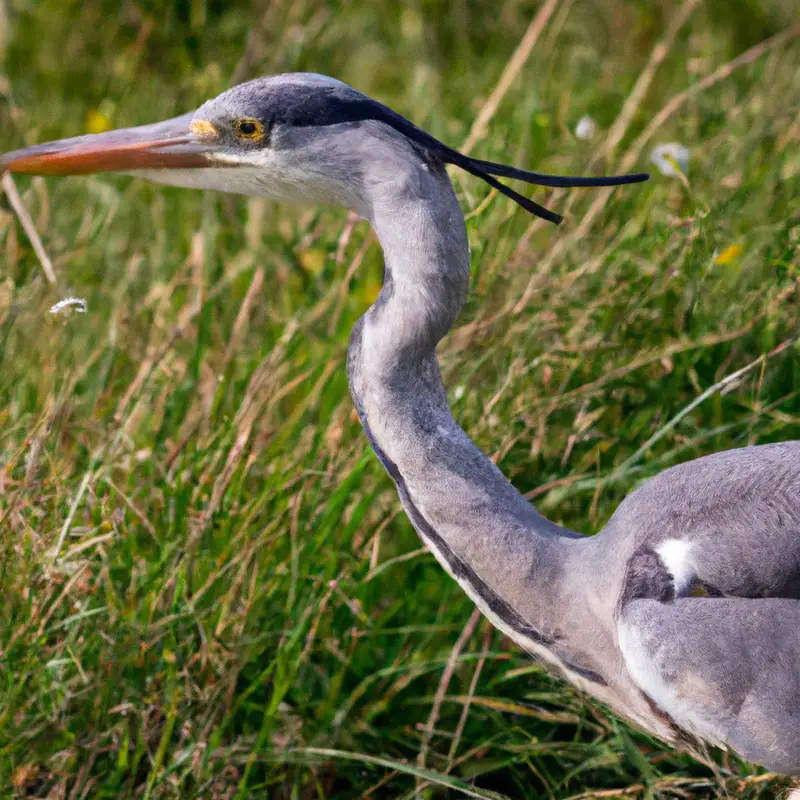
502, 552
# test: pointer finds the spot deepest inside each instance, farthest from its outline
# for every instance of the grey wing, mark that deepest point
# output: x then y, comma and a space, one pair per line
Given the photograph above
729, 522
726, 670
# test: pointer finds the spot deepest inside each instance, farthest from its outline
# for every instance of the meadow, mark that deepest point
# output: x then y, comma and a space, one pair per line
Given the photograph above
209, 589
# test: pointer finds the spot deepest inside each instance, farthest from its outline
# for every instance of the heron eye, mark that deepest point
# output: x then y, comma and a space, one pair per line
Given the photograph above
249, 129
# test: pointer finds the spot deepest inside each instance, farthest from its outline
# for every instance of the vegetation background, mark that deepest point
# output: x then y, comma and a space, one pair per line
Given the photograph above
208, 588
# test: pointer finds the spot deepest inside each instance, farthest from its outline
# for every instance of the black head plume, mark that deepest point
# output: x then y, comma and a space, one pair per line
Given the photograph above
487, 169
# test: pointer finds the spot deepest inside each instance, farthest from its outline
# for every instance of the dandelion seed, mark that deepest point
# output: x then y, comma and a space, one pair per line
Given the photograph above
672, 159
78, 303
586, 128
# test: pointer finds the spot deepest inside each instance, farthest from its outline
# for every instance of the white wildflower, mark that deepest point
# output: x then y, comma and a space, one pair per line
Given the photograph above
78, 303
671, 159
586, 128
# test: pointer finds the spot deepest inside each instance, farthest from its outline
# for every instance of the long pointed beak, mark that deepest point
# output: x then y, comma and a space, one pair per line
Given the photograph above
162, 145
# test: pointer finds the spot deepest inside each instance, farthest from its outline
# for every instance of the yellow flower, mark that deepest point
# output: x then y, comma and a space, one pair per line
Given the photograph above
97, 122
729, 254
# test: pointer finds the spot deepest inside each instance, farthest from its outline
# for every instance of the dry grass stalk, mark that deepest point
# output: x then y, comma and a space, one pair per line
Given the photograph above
509, 74
30, 229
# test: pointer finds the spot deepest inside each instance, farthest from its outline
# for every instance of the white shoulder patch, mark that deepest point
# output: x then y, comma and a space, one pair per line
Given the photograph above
676, 556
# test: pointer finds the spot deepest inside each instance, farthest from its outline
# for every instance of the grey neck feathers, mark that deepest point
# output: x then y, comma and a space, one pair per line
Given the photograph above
479, 527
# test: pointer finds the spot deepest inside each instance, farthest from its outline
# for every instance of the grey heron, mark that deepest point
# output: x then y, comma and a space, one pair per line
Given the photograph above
683, 613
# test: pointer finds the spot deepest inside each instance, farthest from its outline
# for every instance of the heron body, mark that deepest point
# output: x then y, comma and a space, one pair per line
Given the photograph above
683, 613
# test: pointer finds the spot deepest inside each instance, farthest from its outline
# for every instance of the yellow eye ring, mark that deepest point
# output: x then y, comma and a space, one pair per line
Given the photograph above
248, 128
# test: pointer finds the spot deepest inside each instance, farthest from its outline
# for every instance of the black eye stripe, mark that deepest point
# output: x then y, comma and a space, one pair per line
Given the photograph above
301, 105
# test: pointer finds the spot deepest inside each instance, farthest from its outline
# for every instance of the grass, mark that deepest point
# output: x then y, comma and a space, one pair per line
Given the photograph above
208, 587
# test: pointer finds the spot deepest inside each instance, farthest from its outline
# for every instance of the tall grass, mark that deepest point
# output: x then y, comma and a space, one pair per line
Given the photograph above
208, 587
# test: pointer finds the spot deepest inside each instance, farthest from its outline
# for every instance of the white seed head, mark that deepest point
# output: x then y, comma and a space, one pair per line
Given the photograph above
586, 128
669, 156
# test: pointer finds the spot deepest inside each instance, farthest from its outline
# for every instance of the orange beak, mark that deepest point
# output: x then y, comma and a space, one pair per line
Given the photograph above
162, 145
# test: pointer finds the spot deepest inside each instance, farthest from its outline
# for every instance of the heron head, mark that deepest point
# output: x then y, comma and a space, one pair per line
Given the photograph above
297, 137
